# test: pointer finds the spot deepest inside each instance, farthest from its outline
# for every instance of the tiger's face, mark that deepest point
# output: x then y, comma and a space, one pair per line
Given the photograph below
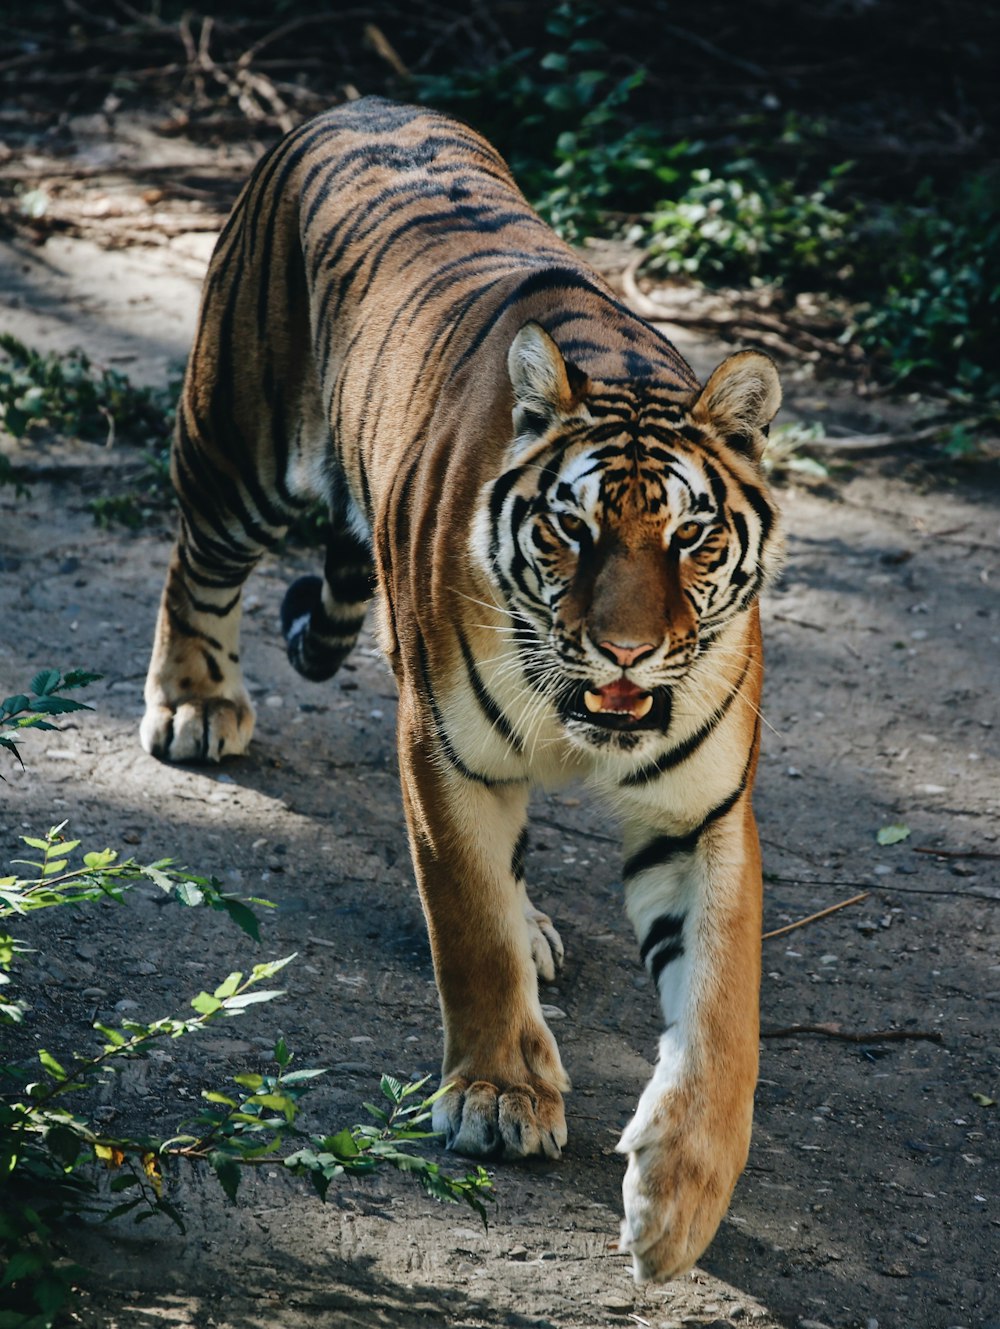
630, 528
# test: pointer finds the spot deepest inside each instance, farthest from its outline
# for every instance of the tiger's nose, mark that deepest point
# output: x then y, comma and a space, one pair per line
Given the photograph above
623, 654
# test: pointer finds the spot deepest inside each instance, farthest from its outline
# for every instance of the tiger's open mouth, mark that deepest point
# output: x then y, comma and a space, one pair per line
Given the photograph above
620, 705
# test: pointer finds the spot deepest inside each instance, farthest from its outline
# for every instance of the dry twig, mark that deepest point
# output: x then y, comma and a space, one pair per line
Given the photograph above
847, 1036
801, 923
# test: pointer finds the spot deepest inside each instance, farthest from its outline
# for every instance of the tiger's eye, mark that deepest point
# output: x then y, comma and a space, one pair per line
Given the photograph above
570, 524
687, 532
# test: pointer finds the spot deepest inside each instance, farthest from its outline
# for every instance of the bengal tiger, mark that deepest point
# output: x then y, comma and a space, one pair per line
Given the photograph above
568, 535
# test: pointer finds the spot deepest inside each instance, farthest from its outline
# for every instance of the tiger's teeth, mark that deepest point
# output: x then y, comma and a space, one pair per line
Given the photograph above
593, 701
643, 707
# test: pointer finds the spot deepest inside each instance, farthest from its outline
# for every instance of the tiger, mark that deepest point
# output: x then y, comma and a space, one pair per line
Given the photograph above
568, 535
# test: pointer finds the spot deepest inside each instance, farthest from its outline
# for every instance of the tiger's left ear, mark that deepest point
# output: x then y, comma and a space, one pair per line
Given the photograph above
740, 400
546, 387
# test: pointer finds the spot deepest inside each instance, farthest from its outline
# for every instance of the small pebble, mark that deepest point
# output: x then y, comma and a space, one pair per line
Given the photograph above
517, 1253
93, 994
553, 1013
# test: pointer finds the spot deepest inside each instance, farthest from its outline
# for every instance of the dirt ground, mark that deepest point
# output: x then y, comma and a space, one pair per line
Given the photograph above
872, 1196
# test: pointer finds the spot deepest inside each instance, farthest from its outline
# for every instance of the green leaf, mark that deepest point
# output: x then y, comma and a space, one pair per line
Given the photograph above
229, 985
984, 1100
153, 872
248, 998
391, 1088
63, 1143
281, 1054
80, 678
213, 1096
206, 1004
97, 862
228, 1171
51, 1065
297, 1077
190, 894
45, 682
249, 1081
892, 834
343, 1145
124, 1183
58, 706
22, 1264
241, 915
277, 1103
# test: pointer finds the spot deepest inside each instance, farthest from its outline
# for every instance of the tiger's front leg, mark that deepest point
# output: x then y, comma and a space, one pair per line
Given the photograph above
500, 1058
695, 902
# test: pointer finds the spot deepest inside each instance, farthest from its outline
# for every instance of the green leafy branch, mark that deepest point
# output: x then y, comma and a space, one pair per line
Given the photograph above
100, 875
30, 712
44, 1144
67, 392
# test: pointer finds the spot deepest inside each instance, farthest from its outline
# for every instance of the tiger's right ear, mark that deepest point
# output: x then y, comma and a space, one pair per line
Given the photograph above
546, 387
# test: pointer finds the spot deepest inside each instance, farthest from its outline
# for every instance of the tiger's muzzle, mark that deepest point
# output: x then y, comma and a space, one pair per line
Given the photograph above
619, 706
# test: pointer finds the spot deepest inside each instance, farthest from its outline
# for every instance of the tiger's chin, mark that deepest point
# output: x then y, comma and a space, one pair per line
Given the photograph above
618, 714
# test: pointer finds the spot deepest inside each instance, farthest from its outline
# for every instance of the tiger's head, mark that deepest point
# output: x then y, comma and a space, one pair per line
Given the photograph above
630, 526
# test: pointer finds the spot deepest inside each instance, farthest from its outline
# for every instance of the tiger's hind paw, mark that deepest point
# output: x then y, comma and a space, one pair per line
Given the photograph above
316, 644
547, 950
199, 730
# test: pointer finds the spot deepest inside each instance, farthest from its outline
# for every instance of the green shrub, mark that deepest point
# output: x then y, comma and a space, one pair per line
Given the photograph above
51, 1152
69, 394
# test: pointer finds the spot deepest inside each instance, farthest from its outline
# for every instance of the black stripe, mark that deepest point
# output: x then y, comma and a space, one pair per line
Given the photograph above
454, 760
487, 704
663, 848
683, 750
668, 927
662, 958
520, 851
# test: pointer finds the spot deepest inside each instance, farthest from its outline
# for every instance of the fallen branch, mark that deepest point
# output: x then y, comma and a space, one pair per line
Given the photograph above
845, 1036
954, 853
888, 889
823, 913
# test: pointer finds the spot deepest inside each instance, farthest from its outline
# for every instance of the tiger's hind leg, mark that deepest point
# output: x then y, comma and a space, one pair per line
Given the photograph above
321, 617
197, 705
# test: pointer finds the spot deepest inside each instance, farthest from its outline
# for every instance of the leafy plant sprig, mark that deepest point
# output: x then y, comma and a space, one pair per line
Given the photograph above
44, 1145
55, 881
30, 711
67, 392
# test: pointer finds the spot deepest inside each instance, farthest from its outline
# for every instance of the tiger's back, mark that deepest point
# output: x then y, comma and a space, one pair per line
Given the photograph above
569, 536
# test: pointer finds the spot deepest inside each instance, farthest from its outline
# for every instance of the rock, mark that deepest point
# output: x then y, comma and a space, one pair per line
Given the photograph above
517, 1253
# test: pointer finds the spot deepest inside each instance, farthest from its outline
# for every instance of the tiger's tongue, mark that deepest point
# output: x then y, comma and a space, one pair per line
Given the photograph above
620, 696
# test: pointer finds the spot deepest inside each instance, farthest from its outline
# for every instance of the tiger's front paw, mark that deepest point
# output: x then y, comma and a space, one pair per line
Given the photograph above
482, 1120
677, 1187
199, 729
